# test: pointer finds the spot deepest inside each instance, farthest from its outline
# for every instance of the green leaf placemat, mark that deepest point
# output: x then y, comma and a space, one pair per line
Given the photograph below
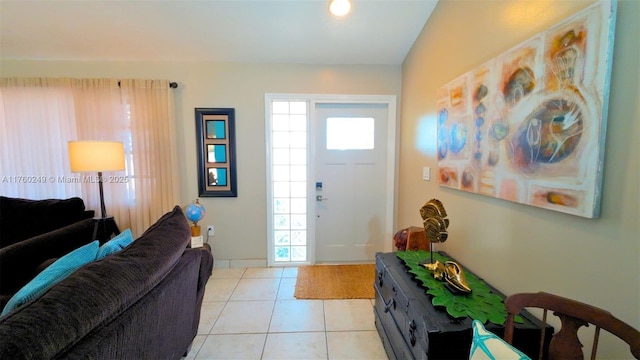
481, 304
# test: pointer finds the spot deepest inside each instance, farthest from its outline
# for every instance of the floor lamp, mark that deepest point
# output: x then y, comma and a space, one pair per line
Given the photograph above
98, 156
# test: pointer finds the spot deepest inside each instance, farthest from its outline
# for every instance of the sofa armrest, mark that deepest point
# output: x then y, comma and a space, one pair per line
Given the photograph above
206, 266
19, 262
206, 269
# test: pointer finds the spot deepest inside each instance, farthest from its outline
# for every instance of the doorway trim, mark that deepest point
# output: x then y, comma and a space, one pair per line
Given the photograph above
391, 160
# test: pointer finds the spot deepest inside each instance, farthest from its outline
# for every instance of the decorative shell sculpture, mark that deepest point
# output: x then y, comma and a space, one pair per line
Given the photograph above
435, 225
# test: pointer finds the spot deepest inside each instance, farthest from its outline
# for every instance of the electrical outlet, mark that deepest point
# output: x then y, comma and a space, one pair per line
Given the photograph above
210, 230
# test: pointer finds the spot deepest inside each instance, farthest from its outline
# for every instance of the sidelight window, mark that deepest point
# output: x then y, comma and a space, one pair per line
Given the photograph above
289, 121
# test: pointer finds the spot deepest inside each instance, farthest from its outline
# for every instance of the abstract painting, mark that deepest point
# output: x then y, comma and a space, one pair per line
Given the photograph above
529, 125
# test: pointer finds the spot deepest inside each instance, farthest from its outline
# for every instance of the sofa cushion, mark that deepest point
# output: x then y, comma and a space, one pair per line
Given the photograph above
116, 244
22, 219
487, 345
53, 274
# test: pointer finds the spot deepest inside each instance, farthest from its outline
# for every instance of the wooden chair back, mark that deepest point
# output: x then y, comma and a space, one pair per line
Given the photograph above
573, 315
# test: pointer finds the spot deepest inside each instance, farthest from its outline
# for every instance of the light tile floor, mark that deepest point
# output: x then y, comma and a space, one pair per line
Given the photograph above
250, 313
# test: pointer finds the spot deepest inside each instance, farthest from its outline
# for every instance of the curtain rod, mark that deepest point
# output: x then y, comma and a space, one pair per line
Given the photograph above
172, 84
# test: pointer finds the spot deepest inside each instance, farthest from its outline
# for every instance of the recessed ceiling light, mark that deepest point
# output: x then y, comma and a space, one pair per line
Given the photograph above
340, 7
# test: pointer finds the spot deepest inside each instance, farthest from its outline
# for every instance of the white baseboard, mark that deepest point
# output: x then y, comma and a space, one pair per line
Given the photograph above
224, 264
254, 263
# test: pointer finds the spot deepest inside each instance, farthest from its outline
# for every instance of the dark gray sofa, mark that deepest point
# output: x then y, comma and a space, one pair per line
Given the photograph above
140, 303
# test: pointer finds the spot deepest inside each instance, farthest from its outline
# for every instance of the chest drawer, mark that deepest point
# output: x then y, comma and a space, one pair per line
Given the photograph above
392, 338
394, 299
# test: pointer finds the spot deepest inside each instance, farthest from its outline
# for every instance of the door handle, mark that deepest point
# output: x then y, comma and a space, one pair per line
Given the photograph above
320, 198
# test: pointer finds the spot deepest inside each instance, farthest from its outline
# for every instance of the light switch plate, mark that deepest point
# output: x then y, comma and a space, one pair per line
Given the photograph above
426, 173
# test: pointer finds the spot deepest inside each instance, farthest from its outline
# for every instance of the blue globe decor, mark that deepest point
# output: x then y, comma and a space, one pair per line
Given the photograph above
195, 212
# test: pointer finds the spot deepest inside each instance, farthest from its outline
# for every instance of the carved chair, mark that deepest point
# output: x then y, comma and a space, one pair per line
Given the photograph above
573, 314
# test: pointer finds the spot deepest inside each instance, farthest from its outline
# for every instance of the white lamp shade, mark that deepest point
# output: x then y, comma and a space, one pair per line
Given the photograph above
96, 156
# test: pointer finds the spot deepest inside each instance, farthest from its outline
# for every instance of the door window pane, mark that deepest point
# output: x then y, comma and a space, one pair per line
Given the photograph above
350, 133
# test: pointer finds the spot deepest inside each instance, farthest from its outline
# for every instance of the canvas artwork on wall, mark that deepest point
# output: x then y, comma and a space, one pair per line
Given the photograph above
529, 125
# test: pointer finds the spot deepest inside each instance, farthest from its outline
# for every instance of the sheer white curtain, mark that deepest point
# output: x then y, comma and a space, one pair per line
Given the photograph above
37, 119
153, 143
39, 116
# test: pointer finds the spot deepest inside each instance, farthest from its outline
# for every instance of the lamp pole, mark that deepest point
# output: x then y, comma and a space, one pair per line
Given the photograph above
103, 209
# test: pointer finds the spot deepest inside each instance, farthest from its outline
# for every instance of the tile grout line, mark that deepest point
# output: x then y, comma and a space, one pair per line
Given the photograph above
273, 310
326, 335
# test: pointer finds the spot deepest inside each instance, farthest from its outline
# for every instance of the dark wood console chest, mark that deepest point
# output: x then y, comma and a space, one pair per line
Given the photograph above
412, 328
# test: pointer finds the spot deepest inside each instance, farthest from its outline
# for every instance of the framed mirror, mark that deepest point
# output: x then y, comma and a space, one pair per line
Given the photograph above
216, 129
216, 153
215, 132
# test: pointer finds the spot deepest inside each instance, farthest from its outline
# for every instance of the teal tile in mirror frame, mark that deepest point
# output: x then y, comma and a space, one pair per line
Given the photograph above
216, 153
215, 129
217, 177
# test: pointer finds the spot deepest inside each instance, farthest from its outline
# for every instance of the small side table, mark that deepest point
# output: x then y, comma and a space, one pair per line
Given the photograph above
104, 228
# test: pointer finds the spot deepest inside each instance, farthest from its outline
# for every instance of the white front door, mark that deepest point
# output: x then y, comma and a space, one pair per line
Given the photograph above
351, 181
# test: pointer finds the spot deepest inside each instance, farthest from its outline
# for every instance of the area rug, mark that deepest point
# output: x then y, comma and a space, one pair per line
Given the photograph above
335, 282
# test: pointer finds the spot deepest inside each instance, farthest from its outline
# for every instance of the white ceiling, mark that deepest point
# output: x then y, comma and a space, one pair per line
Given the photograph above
267, 31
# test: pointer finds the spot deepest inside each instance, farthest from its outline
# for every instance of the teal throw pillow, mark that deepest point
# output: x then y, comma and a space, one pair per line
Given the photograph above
116, 244
487, 345
53, 274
